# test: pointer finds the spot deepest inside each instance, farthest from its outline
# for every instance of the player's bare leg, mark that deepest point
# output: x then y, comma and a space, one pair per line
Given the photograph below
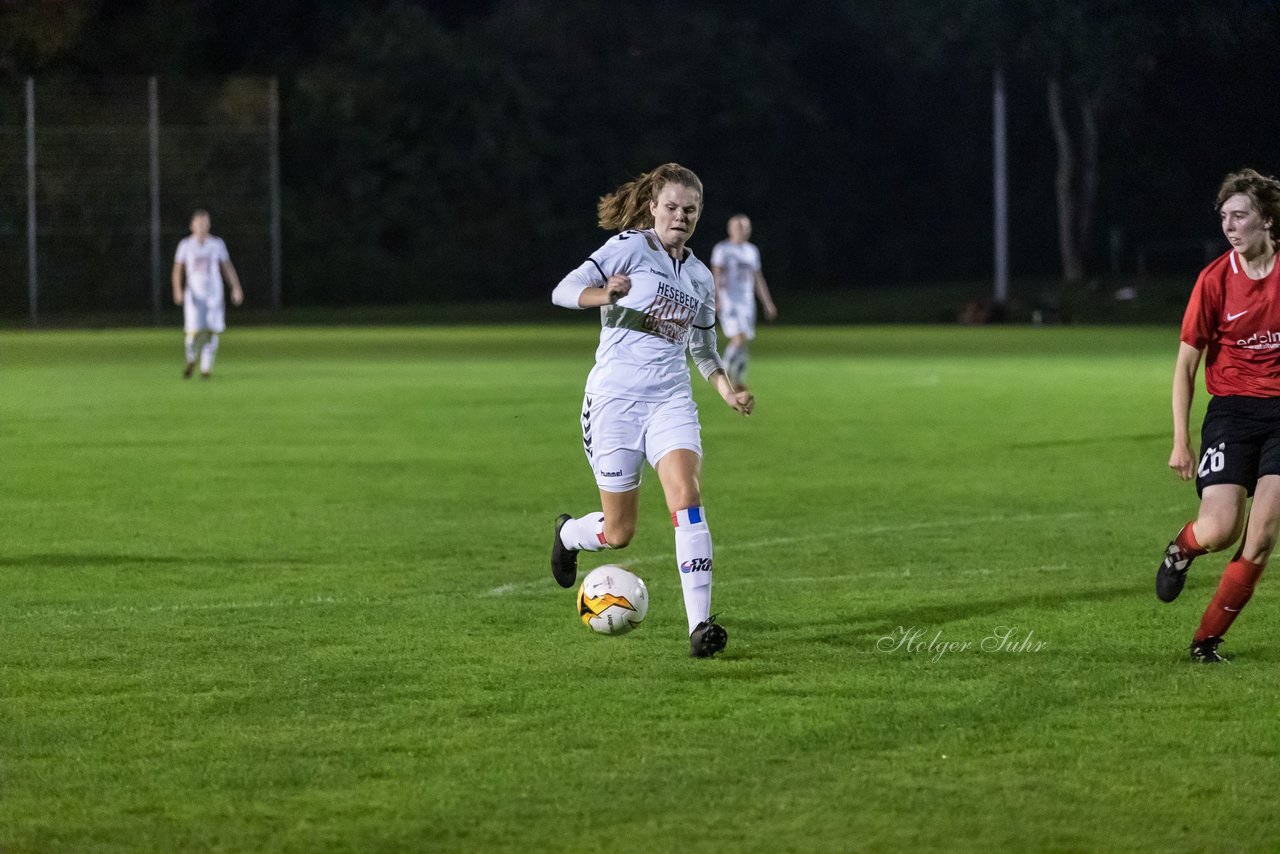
1217, 526
612, 528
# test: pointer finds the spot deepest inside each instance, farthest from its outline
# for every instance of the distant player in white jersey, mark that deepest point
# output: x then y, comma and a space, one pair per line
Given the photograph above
735, 263
204, 260
657, 308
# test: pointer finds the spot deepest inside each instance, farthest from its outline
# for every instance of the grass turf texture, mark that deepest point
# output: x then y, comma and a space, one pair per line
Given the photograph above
305, 606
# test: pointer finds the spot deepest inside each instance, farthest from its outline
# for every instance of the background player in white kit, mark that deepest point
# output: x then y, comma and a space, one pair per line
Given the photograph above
204, 259
735, 263
657, 303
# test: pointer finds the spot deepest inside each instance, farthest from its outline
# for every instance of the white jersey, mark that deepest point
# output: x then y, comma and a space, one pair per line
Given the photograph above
739, 262
644, 334
203, 261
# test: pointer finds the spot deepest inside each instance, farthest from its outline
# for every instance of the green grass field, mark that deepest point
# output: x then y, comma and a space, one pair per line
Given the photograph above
305, 606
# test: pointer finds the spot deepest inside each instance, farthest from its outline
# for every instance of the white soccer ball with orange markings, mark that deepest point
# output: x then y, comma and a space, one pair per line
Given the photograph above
612, 600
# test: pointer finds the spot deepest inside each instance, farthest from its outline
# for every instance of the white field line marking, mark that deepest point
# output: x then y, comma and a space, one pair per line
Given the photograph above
178, 607
871, 574
527, 586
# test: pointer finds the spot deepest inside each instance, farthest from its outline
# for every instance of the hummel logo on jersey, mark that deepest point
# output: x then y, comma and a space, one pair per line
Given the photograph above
659, 273
1231, 317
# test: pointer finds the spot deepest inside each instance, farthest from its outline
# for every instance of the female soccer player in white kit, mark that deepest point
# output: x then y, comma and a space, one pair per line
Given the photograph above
656, 302
735, 263
204, 259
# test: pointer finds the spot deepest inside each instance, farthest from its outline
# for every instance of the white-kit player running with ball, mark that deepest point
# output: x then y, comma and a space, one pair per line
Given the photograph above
657, 302
204, 259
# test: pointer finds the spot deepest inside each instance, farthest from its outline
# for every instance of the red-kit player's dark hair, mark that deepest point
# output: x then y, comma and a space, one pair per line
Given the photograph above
1263, 191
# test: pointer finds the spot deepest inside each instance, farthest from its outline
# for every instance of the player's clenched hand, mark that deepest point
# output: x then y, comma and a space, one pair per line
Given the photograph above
741, 401
1182, 462
616, 287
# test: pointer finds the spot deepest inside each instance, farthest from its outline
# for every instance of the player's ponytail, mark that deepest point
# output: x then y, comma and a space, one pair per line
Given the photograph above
628, 206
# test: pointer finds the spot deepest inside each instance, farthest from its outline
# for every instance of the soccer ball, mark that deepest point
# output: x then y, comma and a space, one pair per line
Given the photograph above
612, 600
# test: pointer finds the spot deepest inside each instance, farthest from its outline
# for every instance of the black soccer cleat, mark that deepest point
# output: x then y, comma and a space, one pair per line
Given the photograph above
1172, 573
564, 561
707, 639
1206, 651
188, 370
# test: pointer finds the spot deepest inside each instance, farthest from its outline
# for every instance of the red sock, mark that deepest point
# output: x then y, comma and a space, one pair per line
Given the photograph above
1186, 541
1234, 590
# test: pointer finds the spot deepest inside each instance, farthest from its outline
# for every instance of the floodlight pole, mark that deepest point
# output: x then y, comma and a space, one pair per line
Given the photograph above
153, 132
273, 155
33, 288
1000, 178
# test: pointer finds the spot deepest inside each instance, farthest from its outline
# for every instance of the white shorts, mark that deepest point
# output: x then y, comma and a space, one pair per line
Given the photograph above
198, 314
619, 435
737, 318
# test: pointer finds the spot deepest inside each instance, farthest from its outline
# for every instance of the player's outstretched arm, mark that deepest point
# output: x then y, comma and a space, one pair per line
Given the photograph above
229, 272
177, 283
1182, 460
766, 299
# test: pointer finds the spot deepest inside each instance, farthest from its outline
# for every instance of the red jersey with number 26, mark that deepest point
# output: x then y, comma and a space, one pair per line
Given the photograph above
1236, 320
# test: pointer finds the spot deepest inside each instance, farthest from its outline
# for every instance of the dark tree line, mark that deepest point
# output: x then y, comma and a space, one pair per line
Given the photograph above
455, 150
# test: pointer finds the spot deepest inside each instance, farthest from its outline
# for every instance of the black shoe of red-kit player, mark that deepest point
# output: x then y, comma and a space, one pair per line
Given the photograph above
1172, 573
1206, 652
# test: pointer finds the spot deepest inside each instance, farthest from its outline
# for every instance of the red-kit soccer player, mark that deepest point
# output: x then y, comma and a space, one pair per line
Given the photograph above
1232, 322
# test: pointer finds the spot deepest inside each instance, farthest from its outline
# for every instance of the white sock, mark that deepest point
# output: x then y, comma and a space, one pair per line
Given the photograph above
207, 352
693, 556
190, 345
585, 534
731, 354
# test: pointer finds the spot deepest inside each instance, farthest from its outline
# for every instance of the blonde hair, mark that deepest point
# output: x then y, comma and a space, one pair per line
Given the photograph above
628, 206
1263, 193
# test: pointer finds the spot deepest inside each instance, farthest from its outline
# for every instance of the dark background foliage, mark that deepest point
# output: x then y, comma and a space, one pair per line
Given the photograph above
440, 151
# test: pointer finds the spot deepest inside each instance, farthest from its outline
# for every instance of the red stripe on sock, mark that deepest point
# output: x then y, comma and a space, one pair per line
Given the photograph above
1234, 591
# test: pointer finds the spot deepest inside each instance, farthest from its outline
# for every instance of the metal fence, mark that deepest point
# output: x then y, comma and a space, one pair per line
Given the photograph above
98, 179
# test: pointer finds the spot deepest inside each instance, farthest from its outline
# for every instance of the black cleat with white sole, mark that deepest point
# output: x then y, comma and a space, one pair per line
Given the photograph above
1206, 652
564, 561
708, 638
